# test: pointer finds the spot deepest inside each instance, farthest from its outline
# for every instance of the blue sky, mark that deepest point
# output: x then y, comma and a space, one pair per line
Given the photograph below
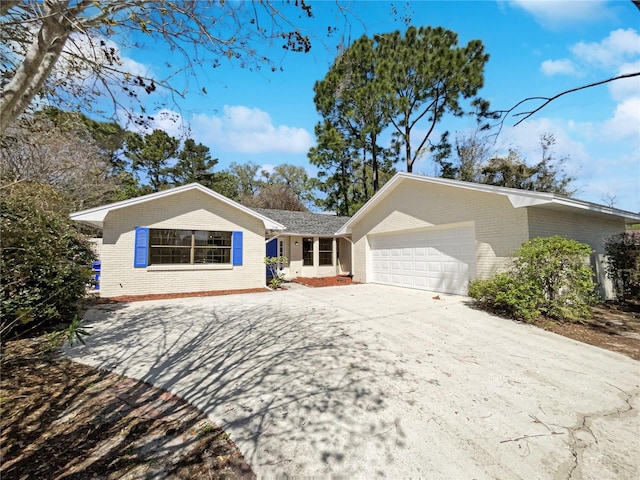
536, 48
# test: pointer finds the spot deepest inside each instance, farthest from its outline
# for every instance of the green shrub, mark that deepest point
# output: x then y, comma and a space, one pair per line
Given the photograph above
505, 294
274, 265
623, 265
45, 262
548, 276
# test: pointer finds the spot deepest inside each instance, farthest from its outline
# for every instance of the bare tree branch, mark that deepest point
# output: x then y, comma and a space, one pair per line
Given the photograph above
39, 64
547, 100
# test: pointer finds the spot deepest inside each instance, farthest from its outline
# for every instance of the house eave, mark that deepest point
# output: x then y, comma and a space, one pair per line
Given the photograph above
96, 216
517, 198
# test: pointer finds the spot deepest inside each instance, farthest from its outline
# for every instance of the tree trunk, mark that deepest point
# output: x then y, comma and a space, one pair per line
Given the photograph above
39, 60
407, 148
374, 162
344, 185
364, 174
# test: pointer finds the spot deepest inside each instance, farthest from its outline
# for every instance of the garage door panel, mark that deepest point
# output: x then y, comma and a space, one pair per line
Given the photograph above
421, 282
435, 266
440, 260
450, 267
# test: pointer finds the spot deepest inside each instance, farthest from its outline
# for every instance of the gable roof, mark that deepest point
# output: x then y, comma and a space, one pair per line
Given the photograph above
518, 198
95, 216
305, 223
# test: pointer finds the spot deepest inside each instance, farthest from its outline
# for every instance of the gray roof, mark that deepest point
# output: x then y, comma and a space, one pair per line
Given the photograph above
305, 223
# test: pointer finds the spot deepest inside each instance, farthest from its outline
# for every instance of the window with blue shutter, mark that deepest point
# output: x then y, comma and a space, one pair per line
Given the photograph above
237, 248
141, 248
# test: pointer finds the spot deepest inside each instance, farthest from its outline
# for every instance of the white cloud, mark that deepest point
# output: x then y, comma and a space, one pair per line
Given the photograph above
625, 123
167, 120
628, 87
555, 67
618, 51
620, 46
249, 130
554, 14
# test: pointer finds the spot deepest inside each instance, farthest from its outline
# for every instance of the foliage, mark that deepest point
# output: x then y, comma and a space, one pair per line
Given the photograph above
345, 176
548, 276
403, 82
277, 197
428, 75
473, 163
194, 165
75, 331
471, 153
286, 187
545, 176
65, 150
150, 153
293, 179
353, 97
275, 267
507, 294
69, 53
45, 263
623, 265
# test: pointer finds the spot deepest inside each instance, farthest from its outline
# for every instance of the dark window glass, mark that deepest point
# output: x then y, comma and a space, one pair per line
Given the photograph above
170, 237
325, 250
189, 246
307, 251
219, 239
212, 255
160, 255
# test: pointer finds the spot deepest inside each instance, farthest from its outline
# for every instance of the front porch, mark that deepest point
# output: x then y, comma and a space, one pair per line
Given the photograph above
312, 256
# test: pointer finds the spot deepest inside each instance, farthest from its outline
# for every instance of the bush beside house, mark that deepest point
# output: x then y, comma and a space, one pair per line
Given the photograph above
45, 262
623, 266
548, 277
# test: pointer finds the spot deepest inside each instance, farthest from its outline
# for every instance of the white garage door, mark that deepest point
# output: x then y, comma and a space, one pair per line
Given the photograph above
440, 260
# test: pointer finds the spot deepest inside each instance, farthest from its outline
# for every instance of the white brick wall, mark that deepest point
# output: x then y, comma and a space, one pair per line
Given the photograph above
189, 210
592, 229
499, 228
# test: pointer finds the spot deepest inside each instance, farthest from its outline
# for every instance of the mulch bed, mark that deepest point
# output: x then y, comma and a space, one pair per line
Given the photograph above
164, 296
61, 419
325, 281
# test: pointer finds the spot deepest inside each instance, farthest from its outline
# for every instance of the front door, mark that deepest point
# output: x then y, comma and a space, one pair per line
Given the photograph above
272, 251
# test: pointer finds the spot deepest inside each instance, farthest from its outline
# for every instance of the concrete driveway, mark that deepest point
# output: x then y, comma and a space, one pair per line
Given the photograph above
373, 381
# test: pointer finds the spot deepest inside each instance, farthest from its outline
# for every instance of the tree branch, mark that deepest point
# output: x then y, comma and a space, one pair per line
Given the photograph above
548, 100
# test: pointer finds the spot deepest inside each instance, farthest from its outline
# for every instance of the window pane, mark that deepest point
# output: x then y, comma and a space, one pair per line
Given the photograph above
167, 255
326, 244
307, 251
219, 239
326, 258
170, 237
212, 255
325, 251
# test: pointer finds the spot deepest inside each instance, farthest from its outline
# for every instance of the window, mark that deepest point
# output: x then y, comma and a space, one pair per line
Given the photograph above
325, 250
189, 246
307, 251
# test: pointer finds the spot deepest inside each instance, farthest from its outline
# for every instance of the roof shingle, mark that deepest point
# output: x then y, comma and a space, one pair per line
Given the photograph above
305, 223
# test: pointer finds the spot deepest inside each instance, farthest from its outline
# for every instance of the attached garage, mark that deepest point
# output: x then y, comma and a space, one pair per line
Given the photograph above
438, 234
438, 259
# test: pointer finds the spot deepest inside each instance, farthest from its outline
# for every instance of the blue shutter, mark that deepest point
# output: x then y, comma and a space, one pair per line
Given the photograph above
141, 248
237, 248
